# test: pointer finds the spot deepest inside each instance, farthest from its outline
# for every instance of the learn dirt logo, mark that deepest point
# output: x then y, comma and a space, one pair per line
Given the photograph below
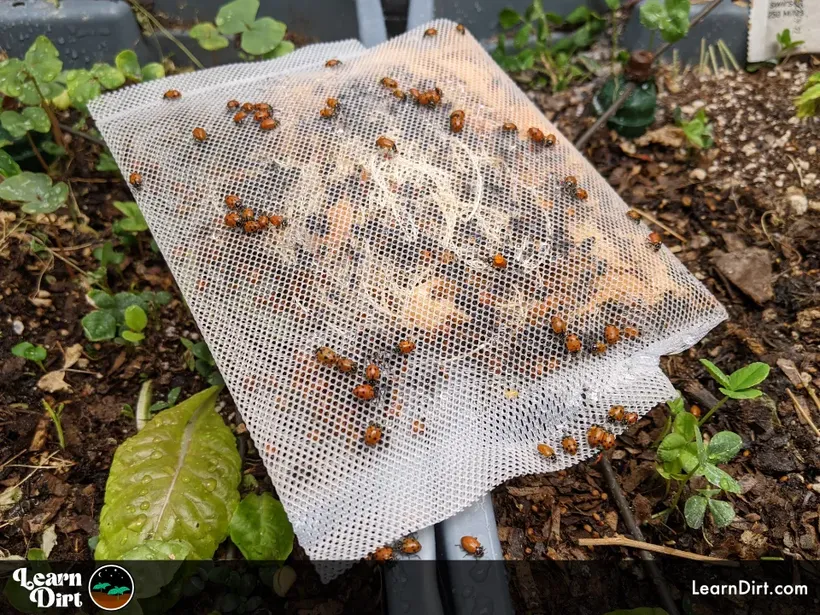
111, 587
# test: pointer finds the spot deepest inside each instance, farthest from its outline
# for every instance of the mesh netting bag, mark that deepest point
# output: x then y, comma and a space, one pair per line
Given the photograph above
496, 280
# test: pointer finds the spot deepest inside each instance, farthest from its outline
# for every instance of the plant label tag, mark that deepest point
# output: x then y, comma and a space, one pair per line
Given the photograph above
768, 18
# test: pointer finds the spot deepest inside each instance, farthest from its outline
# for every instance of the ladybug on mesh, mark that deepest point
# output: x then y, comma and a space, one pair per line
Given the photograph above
399, 94
608, 441
570, 445
457, 121
558, 325
573, 343
333, 62
248, 214
233, 105
546, 450
263, 221
410, 545
630, 418
461, 29
509, 127
599, 348
247, 107
471, 545
250, 226
269, 124
261, 115
327, 112
595, 435
346, 365
406, 346
634, 215
135, 179
569, 184
537, 136
389, 83
172, 94
373, 434
232, 201
200, 134
499, 261
365, 392
384, 554
581, 194
385, 143
277, 221
616, 413
372, 372
655, 240
239, 117
611, 334
232, 219
326, 355
430, 32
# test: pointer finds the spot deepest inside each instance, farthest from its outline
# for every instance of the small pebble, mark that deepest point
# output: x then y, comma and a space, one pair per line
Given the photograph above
17, 327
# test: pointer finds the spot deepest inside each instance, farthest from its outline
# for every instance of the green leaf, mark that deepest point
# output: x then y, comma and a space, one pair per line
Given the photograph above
12, 77
100, 325
509, 18
110, 77
237, 16
162, 297
152, 71
747, 377
522, 37
723, 513
652, 13
29, 351
676, 405
43, 60
580, 15
135, 318
101, 299
689, 457
686, 425
613, 5
132, 336
719, 478
35, 192
716, 373
106, 163
31, 118
129, 64
671, 446
261, 530
8, 166
554, 18
807, 102
150, 579
82, 87
52, 149
208, 36
784, 38
263, 36
701, 449
723, 447
176, 479
134, 221
745, 394
694, 510
108, 256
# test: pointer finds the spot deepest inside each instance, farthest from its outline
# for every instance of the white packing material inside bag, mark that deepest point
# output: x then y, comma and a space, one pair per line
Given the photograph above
379, 247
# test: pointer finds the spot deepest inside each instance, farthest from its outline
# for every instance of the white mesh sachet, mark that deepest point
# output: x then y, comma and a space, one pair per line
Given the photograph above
381, 246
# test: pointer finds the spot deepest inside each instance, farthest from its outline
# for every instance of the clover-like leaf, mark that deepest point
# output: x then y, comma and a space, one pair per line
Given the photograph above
100, 325
716, 373
723, 447
152, 71
208, 36
694, 510
43, 60
282, 49
689, 457
110, 77
12, 77
749, 376
719, 478
509, 18
686, 424
129, 64
82, 86
671, 446
723, 513
134, 221
262, 36
261, 529
8, 166
106, 163
35, 192
30, 118
744, 394
676, 405
132, 336
29, 351
101, 299
135, 318
237, 16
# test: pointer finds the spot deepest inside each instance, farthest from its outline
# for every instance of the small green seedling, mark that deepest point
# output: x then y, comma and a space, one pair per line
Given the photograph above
27, 350
808, 103
133, 222
262, 38
135, 322
56, 415
171, 400
128, 64
107, 256
198, 358
787, 45
740, 385
121, 317
698, 130
671, 18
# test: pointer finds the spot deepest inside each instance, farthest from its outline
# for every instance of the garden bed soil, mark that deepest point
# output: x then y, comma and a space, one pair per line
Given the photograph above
749, 204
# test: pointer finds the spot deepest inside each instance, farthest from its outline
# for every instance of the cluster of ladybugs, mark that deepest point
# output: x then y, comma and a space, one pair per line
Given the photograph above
612, 336
262, 113
655, 239
597, 436
367, 390
246, 219
410, 545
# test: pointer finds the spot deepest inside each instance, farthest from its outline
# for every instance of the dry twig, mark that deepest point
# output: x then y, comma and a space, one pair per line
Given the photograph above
623, 541
803, 412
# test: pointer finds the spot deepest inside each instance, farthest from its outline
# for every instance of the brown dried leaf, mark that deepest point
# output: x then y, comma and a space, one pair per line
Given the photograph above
53, 382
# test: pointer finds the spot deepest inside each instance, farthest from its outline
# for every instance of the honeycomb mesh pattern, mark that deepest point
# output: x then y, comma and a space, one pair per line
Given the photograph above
381, 246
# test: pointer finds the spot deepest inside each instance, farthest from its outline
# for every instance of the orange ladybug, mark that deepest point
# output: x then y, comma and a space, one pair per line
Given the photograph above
247, 214
457, 121
385, 143
410, 545
471, 545
558, 324
263, 222
389, 83
383, 554
247, 107
570, 445
595, 435
573, 343
581, 194
260, 115
277, 221
333, 62
499, 262
536, 135
655, 240
135, 179
372, 372
345, 365
327, 112
232, 220
365, 392
430, 32
200, 134
250, 226
509, 127
233, 105
611, 334
326, 356
546, 450
406, 346
460, 28
616, 413
630, 418
172, 94
232, 201
268, 124
373, 435
634, 215
608, 441
240, 115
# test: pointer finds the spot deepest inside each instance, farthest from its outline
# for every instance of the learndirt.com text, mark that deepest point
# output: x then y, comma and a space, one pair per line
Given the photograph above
748, 588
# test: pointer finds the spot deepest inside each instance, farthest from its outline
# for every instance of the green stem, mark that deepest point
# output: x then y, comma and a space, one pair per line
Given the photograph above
709, 414
55, 417
37, 152
56, 132
40, 364
665, 432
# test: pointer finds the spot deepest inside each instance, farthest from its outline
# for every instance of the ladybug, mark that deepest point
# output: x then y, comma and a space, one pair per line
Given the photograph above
326, 356
333, 103
435, 96
345, 365
570, 445
499, 262
608, 441
616, 413
611, 334
240, 115
634, 215
406, 346
573, 343
461, 29
262, 107
373, 435
581, 194
263, 221
600, 348
558, 324
247, 107
232, 201
471, 545
365, 392
135, 179
250, 226
233, 104
260, 115
172, 94
399, 94
232, 220
372, 372
333, 62
595, 435
200, 134
414, 93
385, 143
277, 221
509, 127
630, 418
247, 214
389, 83
546, 450
457, 121
269, 124
384, 554
327, 113
695, 411
570, 183
424, 99
549, 140
631, 332
537, 136
655, 240
430, 32
410, 545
